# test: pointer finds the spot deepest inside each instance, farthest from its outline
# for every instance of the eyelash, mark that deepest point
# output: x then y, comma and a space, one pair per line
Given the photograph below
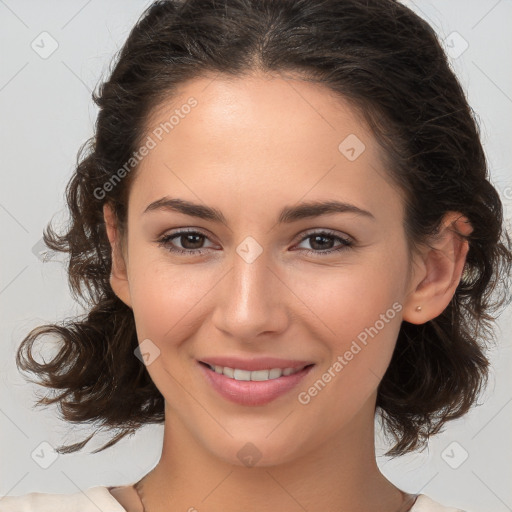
166, 239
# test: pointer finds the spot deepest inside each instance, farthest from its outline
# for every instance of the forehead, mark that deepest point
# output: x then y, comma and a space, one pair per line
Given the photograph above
280, 115
259, 137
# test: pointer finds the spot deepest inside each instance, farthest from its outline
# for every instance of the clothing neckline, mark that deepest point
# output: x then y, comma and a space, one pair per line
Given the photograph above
409, 503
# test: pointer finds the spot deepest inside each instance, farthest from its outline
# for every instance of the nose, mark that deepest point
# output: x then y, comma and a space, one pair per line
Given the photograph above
251, 300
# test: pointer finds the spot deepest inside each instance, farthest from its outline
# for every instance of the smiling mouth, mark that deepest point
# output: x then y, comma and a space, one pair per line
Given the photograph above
258, 387
255, 375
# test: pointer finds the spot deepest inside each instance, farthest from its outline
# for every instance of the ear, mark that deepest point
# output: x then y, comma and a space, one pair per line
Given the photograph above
438, 270
119, 273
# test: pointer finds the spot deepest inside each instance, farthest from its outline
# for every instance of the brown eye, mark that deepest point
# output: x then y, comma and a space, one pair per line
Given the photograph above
191, 242
322, 243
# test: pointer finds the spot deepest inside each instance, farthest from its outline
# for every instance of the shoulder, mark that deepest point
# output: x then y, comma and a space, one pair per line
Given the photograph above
425, 504
89, 500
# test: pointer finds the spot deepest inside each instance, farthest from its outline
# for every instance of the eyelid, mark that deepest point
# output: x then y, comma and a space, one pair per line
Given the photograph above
335, 234
186, 229
177, 232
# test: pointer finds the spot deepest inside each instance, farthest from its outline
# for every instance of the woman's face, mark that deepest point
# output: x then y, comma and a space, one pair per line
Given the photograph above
273, 278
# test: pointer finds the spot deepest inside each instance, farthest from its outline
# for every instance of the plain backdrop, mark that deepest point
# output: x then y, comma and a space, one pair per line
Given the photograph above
53, 54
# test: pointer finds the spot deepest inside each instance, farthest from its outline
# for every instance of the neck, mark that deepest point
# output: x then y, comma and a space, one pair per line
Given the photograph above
339, 474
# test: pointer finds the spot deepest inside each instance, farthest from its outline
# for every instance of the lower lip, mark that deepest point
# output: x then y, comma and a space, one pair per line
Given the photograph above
248, 392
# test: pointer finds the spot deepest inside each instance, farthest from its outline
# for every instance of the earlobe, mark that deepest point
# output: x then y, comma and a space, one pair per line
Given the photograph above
118, 274
442, 263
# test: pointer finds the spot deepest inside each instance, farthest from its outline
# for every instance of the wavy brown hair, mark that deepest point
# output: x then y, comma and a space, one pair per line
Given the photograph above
387, 62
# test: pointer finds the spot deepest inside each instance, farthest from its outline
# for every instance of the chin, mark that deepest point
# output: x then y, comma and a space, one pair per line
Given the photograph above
257, 451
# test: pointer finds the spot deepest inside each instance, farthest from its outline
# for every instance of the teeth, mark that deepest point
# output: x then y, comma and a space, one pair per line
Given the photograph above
258, 375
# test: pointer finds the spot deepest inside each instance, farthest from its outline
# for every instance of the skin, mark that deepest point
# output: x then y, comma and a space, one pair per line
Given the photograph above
252, 146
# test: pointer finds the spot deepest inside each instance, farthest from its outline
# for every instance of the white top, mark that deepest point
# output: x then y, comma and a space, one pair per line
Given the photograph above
99, 498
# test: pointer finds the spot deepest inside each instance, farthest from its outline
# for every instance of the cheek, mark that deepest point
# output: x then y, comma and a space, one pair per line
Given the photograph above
357, 316
346, 300
360, 320
166, 298
168, 309
163, 295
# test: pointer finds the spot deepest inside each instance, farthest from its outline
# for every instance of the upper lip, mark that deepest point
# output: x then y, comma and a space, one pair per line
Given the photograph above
256, 363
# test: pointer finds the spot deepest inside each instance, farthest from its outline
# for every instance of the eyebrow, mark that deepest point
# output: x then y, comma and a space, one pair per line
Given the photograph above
287, 215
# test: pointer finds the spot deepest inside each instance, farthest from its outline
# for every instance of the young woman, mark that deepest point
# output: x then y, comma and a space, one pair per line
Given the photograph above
284, 226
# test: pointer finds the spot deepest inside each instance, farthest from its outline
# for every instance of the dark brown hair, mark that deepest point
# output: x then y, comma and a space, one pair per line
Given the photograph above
387, 62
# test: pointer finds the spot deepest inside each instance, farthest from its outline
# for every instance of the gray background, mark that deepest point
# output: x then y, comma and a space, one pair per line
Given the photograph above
47, 113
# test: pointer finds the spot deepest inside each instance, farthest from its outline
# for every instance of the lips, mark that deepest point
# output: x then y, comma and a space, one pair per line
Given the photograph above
252, 393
